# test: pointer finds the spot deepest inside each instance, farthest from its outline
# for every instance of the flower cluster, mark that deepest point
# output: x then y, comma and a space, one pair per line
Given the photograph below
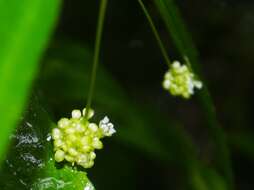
180, 81
76, 139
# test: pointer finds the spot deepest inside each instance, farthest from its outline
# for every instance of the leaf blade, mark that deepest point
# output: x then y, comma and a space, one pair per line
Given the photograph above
24, 31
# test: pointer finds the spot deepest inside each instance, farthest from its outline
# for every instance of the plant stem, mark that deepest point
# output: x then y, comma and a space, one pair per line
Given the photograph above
186, 47
100, 24
156, 34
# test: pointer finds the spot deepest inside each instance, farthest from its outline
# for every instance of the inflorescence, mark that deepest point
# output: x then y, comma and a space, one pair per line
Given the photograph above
180, 81
76, 139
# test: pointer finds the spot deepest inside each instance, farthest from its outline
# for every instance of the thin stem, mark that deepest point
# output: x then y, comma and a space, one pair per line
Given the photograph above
155, 32
100, 24
185, 45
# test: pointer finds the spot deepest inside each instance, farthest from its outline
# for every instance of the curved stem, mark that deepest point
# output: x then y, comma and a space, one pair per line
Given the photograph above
100, 24
184, 43
156, 34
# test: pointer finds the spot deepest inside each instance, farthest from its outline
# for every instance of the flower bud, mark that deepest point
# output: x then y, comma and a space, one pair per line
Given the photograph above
76, 114
180, 81
75, 139
59, 155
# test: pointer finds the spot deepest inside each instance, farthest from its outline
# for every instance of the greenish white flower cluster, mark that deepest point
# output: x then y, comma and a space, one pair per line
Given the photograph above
180, 81
76, 139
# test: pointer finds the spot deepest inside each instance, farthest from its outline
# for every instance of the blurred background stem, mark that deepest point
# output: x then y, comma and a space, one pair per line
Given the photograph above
156, 34
183, 41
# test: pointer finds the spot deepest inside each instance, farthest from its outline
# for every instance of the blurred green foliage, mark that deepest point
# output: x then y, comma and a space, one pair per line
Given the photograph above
24, 31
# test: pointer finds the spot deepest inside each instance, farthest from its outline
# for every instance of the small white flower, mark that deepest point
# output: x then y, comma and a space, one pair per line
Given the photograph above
107, 127
76, 114
105, 120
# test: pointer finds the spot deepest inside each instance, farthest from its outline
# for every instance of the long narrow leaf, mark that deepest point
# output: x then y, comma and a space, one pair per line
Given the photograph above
25, 27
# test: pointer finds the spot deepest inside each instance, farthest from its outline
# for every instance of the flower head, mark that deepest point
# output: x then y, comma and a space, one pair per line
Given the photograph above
76, 139
180, 81
107, 127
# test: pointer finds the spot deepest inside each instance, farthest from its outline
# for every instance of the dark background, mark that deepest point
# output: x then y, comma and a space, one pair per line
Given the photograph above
162, 142
223, 33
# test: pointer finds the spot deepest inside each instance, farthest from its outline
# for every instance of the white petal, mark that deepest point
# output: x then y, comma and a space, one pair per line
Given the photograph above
105, 120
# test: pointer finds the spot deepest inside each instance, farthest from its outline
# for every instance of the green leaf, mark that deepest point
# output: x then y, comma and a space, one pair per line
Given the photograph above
186, 47
30, 163
24, 31
64, 179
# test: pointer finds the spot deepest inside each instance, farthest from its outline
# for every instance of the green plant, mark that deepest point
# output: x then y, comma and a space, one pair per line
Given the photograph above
24, 32
35, 161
